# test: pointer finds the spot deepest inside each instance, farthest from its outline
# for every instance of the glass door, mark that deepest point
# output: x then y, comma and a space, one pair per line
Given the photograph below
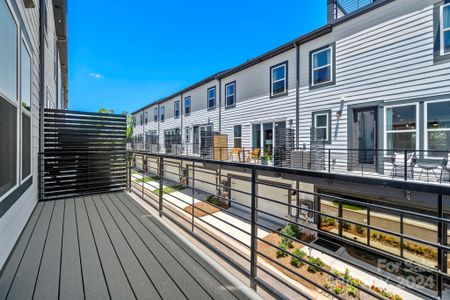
268, 138
196, 140
365, 135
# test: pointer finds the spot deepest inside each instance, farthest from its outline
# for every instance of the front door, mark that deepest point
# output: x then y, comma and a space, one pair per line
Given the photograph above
365, 136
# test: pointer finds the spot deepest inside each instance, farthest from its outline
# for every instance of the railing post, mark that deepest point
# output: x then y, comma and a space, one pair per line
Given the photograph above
161, 192
193, 198
129, 172
143, 179
253, 232
329, 160
406, 167
442, 240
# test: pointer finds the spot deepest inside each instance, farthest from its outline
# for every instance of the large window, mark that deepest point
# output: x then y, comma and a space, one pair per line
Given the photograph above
401, 127
25, 96
156, 114
322, 126
187, 137
445, 29
8, 53
438, 127
187, 106
211, 97
230, 94
176, 109
322, 66
278, 79
162, 113
237, 136
146, 117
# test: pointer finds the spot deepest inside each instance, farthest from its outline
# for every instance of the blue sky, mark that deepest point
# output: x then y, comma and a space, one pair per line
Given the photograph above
124, 55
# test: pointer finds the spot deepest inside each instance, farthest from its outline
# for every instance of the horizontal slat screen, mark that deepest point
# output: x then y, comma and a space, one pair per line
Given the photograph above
84, 153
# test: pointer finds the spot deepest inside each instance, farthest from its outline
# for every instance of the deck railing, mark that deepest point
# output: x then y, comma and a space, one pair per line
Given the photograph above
341, 8
190, 191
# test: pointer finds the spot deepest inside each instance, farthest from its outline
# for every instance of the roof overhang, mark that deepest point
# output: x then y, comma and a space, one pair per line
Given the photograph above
60, 15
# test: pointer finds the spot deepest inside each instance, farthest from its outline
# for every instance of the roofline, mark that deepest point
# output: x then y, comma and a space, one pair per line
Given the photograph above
283, 48
60, 16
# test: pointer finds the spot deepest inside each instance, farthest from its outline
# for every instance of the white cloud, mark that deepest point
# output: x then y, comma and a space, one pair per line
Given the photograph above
96, 75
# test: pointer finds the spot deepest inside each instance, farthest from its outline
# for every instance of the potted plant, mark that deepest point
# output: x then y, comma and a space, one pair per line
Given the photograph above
265, 158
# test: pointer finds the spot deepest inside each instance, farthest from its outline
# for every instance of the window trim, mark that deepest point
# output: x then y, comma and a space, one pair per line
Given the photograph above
234, 95
327, 113
162, 113
442, 29
156, 114
284, 64
190, 106
213, 88
176, 111
386, 132
427, 130
26, 112
234, 136
332, 65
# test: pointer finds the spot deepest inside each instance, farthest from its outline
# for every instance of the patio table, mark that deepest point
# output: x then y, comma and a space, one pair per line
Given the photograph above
428, 168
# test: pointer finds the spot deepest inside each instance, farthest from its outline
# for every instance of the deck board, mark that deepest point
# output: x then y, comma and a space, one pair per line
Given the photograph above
104, 246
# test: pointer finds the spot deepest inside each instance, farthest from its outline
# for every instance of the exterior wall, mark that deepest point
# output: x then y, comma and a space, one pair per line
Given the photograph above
15, 218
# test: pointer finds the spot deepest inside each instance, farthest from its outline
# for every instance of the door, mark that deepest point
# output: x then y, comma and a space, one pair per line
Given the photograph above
268, 138
196, 140
365, 136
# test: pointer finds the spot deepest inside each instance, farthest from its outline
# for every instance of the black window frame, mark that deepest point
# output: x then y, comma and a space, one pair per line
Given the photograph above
213, 88
156, 114
146, 117
162, 113
286, 79
237, 137
313, 123
188, 113
437, 23
234, 95
176, 111
332, 47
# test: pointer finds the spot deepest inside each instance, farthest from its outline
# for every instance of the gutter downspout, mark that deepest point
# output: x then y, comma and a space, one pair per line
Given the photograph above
41, 74
297, 98
220, 105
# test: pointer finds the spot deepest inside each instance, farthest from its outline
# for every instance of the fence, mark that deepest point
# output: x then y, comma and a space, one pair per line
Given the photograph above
83, 153
198, 195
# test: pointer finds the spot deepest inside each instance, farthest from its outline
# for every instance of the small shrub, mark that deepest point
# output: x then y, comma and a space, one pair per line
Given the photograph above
347, 276
352, 291
295, 261
213, 200
314, 264
360, 229
290, 231
327, 285
339, 289
280, 253
346, 226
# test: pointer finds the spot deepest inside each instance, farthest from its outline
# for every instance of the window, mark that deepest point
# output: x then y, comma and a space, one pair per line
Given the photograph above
8, 53
322, 65
146, 117
278, 80
187, 135
322, 126
134, 121
187, 106
401, 127
26, 77
141, 118
445, 29
230, 94
25, 96
256, 136
162, 112
438, 127
156, 114
211, 98
176, 109
237, 136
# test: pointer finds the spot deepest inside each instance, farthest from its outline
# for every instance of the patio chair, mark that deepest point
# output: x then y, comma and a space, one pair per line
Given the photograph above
255, 155
444, 168
235, 152
398, 161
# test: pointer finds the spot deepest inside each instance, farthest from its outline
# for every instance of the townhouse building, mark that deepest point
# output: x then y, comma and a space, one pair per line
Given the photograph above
33, 76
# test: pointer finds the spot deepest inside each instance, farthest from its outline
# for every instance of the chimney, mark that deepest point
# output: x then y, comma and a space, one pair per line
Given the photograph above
330, 11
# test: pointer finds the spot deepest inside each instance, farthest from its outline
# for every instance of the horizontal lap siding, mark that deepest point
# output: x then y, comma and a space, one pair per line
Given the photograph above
388, 62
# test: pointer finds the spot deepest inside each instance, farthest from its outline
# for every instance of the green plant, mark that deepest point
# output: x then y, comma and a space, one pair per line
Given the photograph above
339, 289
352, 291
314, 264
213, 200
346, 226
266, 156
296, 261
347, 276
327, 285
290, 232
360, 229
280, 253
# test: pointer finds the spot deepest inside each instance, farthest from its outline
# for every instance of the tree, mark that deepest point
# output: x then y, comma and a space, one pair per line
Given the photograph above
105, 111
129, 124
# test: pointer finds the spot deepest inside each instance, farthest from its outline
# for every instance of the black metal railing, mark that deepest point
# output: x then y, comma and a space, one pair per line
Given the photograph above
185, 189
341, 8
408, 165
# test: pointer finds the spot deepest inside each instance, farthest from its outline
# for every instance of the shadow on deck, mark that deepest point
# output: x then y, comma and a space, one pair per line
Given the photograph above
107, 246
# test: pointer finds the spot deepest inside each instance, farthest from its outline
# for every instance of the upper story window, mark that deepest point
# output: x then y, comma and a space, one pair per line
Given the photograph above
134, 121
162, 113
156, 114
141, 117
445, 29
278, 80
230, 94
176, 109
211, 94
401, 127
322, 67
437, 120
146, 117
322, 126
187, 106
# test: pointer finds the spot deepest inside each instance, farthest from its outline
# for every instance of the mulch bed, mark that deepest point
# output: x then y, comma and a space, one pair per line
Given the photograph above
202, 209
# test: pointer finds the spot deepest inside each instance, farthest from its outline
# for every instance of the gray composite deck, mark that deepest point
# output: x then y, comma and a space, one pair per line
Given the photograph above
105, 246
